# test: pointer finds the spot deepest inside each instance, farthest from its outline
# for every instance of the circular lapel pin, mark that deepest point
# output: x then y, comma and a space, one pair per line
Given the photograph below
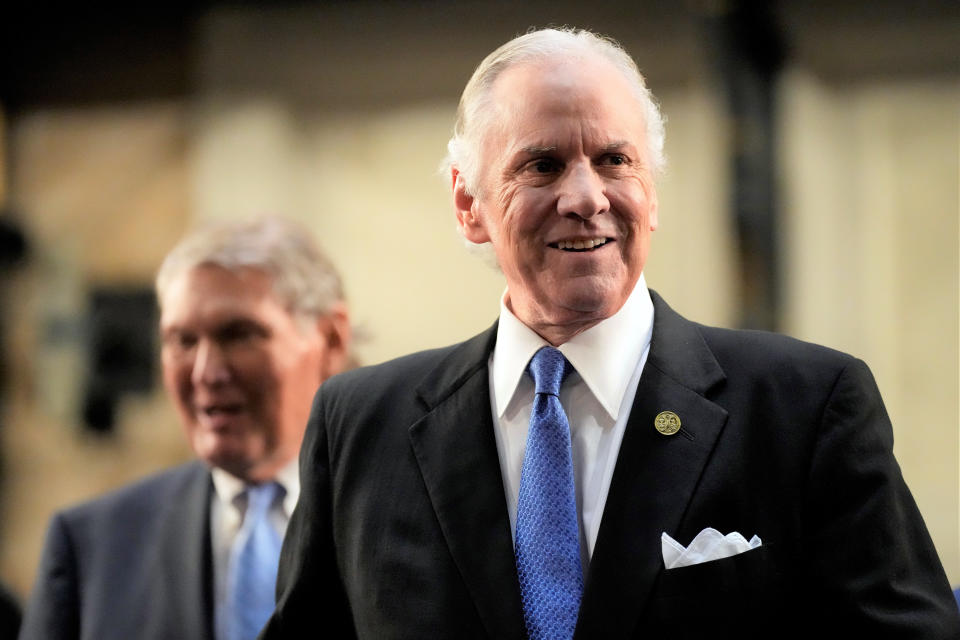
667, 423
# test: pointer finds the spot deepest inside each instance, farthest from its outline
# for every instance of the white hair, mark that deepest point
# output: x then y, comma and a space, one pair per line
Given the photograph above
302, 277
474, 112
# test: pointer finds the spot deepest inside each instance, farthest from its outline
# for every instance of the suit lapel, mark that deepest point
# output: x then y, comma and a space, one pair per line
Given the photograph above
455, 447
655, 475
185, 559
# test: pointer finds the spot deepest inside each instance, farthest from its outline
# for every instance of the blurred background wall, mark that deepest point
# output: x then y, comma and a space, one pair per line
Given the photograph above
812, 189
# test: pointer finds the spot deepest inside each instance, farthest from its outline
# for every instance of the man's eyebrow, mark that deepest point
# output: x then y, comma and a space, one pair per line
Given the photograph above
615, 145
534, 150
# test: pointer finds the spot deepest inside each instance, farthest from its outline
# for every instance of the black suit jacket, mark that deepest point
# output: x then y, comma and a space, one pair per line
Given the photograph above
402, 529
132, 565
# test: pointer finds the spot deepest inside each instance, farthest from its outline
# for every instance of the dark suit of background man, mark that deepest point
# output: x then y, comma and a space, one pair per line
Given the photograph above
252, 321
411, 471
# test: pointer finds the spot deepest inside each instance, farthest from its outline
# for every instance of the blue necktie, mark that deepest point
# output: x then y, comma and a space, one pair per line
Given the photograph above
254, 558
548, 535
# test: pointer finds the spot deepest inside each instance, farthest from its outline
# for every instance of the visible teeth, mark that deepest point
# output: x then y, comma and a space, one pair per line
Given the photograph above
580, 245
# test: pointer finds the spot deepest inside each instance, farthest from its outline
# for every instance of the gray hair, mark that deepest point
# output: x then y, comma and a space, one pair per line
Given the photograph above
303, 279
473, 113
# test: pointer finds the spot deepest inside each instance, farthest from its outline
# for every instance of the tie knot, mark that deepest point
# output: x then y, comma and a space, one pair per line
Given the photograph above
549, 369
259, 499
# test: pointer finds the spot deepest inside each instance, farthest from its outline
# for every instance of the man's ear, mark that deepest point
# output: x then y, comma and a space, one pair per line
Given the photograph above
334, 328
468, 218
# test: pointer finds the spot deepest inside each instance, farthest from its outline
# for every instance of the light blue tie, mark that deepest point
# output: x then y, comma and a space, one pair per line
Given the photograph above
253, 566
548, 536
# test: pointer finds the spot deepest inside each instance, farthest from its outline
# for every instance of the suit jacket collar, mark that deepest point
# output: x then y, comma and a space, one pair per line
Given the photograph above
679, 351
652, 485
460, 365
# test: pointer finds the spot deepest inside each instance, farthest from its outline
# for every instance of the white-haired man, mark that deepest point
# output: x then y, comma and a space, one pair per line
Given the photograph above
566, 473
253, 320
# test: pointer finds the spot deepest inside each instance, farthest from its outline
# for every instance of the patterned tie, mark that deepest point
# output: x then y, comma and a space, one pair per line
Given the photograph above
254, 558
548, 542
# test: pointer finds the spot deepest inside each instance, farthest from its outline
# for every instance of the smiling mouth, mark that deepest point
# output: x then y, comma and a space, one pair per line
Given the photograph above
580, 245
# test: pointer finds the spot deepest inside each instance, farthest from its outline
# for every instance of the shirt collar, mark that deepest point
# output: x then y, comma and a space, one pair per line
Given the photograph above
605, 355
227, 486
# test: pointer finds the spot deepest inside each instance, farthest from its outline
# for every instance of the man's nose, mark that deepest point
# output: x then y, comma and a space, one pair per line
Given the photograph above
582, 192
211, 365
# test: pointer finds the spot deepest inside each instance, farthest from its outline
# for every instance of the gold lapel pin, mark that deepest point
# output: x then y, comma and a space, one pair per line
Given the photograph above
667, 423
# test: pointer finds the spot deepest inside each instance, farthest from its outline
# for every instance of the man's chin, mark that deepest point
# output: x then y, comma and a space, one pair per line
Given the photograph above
226, 453
587, 301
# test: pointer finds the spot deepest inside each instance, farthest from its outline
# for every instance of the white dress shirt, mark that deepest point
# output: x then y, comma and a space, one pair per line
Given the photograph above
608, 359
227, 506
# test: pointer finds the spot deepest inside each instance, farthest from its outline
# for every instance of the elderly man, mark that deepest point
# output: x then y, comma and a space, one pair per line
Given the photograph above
253, 320
586, 467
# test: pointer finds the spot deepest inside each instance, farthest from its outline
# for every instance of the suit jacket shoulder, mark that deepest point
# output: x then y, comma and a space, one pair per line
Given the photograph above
407, 386
444, 366
137, 502
134, 562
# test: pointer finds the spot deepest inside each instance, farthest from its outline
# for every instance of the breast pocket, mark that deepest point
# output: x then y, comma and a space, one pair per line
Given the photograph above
741, 594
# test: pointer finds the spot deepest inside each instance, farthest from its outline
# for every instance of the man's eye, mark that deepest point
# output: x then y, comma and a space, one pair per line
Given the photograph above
545, 165
614, 159
236, 333
241, 332
180, 341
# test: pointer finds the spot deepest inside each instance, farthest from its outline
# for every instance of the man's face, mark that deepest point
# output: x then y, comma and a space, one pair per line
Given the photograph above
565, 193
240, 368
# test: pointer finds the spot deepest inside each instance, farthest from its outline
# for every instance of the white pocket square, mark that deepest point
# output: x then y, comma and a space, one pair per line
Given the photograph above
709, 544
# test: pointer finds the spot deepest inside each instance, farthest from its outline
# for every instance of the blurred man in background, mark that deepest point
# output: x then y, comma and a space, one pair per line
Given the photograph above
253, 320
586, 467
